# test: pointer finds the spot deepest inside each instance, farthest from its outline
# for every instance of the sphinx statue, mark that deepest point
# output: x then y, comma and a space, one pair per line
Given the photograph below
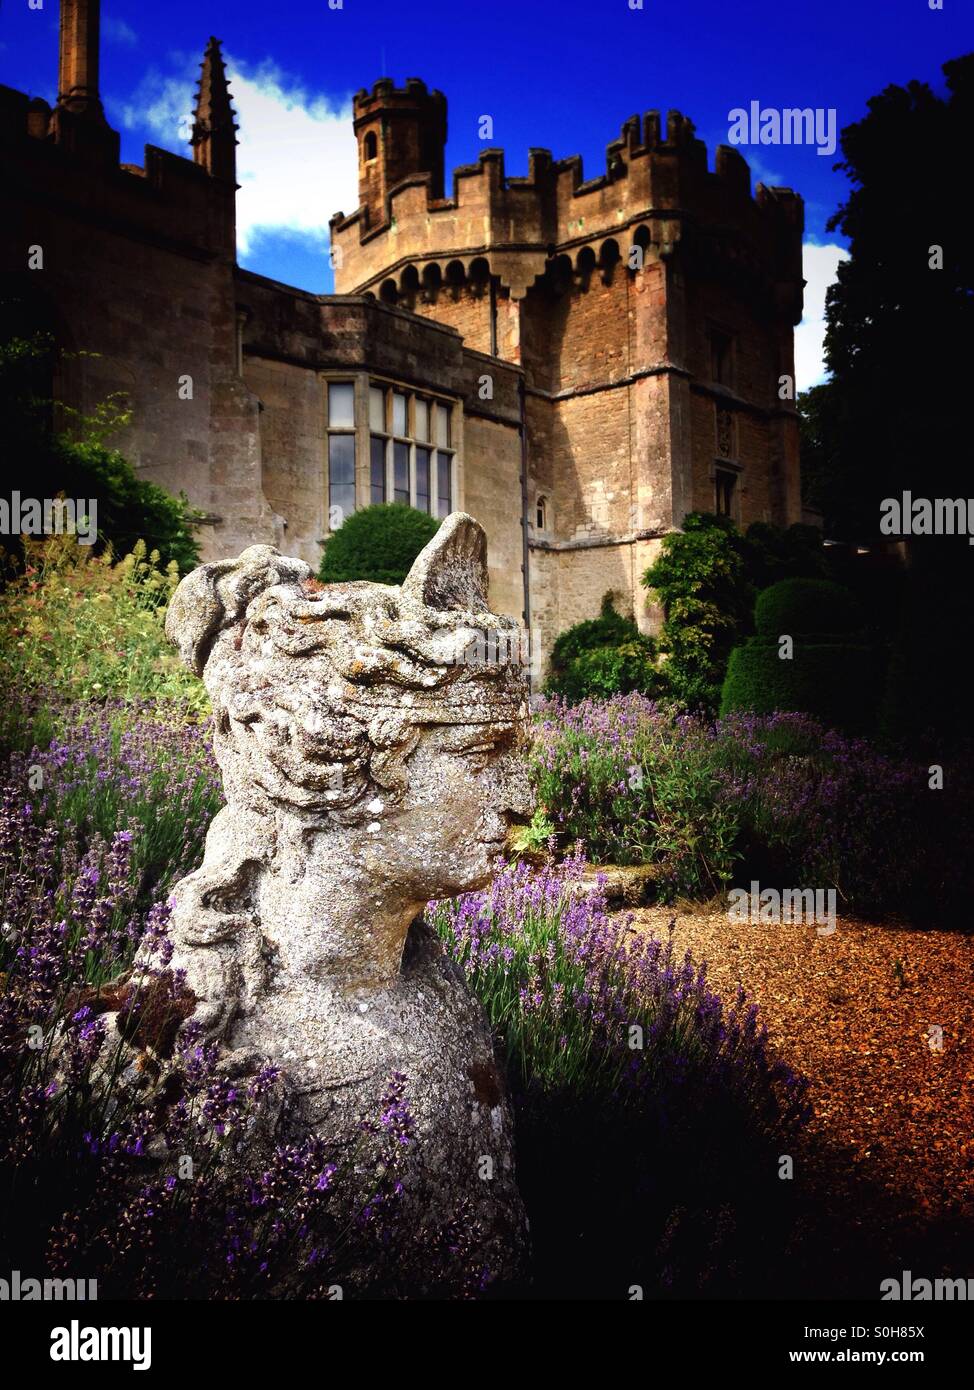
369, 765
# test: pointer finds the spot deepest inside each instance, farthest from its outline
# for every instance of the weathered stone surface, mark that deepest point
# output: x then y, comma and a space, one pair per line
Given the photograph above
369, 765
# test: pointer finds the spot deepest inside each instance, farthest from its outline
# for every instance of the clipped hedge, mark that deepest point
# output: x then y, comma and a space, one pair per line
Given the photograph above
835, 682
378, 543
832, 671
803, 606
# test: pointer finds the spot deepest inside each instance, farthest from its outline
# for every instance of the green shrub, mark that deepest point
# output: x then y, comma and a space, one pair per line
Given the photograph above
705, 577
610, 671
700, 578
602, 656
76, 462
609, 629
832, 672
89, 628
130, 508
836, 682
378, 543
806, 606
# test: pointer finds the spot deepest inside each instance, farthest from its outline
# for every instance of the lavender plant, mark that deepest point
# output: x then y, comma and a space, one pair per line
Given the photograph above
636, 782
648, 1113
132, 1145
777, 797
583, 1004
98, 770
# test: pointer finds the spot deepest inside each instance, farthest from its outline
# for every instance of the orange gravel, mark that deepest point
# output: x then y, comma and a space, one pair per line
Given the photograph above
853, 1012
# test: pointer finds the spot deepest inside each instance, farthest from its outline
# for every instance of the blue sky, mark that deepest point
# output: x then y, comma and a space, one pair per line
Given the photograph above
564, 76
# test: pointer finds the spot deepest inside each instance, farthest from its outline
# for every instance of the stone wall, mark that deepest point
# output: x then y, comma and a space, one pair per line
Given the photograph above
511, 299
136, 281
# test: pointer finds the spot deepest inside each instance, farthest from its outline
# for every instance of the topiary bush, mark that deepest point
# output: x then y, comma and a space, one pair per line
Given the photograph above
831, 671
602, 656
837, 682
806, 606
378, 543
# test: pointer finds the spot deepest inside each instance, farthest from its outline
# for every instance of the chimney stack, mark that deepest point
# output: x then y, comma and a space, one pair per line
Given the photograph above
78, 61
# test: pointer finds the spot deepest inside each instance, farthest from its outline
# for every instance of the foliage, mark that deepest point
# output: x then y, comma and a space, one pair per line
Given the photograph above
864, 435
92, 628
602, 656
91, 772
926, 702
775, 553
619, 1053
705, 577
130, 508
775, 796
103, 1160
636, 783
63, 452
378, 543
609, 629
562, 981
837, 682
818, 807
831, 671
806, 606
700, 578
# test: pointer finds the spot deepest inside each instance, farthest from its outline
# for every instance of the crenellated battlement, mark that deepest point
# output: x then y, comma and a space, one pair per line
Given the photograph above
68, 152
656, 182
49, 152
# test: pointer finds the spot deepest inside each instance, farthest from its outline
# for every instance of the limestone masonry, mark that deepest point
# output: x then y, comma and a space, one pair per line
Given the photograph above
576, 363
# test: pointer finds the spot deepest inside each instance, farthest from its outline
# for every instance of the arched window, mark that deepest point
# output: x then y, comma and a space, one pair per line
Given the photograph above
370, 147
541, 514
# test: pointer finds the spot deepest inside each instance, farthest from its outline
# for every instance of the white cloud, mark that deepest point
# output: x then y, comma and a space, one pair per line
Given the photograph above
117, 31
297, 163
761, 172
820, 265
296, 160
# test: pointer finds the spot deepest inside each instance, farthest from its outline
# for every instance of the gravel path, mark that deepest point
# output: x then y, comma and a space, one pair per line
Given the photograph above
854, 1011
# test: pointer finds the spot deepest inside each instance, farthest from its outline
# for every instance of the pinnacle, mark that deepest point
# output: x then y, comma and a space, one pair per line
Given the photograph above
213, 104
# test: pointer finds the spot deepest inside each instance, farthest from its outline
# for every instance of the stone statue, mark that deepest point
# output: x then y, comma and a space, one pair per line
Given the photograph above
371, 762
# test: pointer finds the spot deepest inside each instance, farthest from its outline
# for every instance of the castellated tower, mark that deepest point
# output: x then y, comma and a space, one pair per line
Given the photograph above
649, 312
401, 134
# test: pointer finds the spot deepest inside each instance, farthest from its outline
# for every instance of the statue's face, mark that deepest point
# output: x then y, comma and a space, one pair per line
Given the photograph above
468, 787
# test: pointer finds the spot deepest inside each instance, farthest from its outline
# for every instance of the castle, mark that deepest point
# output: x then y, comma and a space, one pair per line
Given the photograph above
578, 363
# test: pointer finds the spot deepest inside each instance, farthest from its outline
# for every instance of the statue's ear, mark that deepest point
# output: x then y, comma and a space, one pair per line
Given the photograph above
216, 596
450, 572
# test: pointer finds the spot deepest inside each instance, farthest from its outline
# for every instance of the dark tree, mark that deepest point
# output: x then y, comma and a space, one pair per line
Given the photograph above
894, 416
